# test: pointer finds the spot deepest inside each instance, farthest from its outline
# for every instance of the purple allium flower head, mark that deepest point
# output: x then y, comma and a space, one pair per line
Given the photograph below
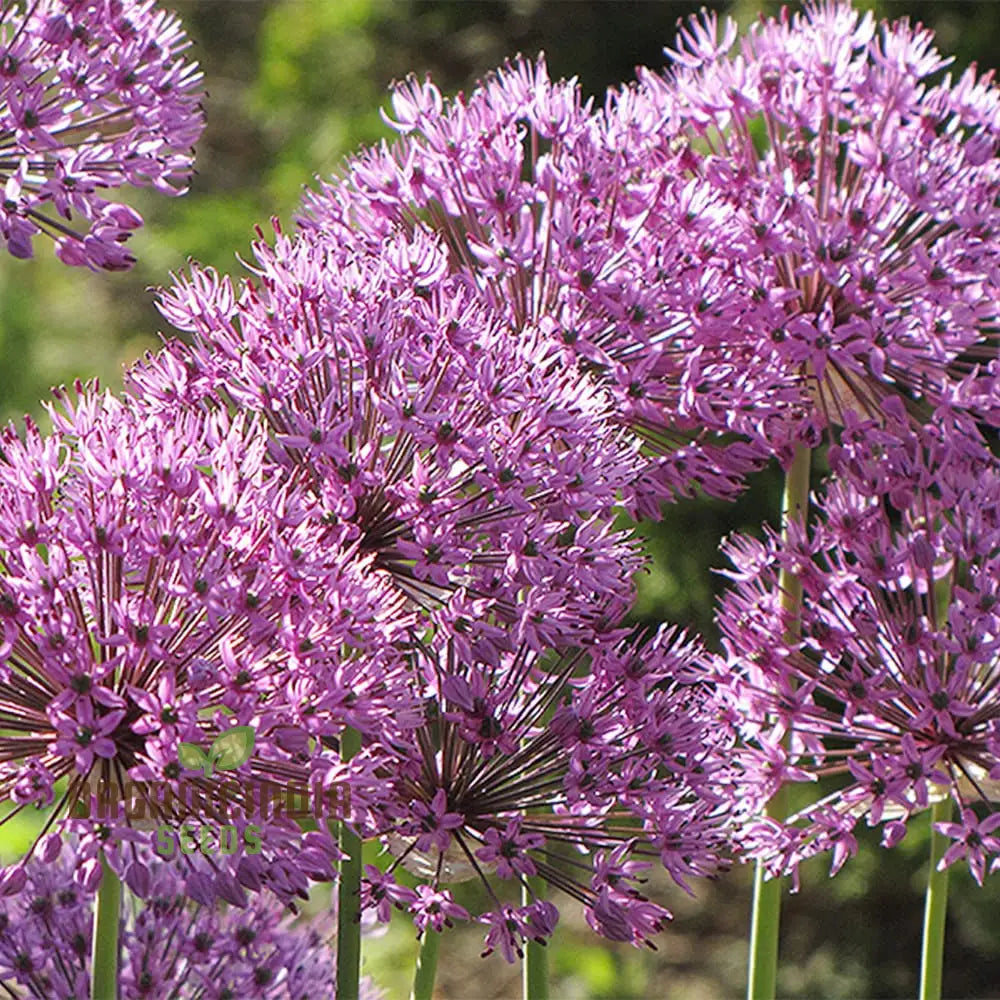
842, 192
169, 946
94, 94
477, 471
579, 769
161, 585
546, 214
891, 683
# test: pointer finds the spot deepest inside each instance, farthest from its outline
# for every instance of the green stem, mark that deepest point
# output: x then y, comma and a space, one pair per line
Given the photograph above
765, 925
535, 971
107, 917
349, 895
427, 960
935, 908
765, 920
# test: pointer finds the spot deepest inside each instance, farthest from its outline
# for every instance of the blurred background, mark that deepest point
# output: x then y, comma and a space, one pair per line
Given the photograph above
294, 85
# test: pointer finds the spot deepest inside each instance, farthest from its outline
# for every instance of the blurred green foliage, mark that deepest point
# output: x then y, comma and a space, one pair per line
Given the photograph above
294, 85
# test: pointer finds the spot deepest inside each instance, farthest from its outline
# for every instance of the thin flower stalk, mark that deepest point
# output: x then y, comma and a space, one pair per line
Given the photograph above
765, 913
349, 892
107, 919
426, 968
935, 906
535, 970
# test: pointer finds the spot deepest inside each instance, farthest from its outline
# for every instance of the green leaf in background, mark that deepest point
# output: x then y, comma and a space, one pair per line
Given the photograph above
233, 748
191, 756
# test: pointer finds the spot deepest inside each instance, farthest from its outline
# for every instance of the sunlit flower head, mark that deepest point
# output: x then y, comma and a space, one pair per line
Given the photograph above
478, 472
840, 192
890, 691
169, 946
583, 769
161, 587
94, 95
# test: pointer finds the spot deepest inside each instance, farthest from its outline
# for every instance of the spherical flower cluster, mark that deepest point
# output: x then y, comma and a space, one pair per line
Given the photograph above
476, 470
890, 684
159, 584
579, 769
94, 94
847, 193
169, 947
542, 213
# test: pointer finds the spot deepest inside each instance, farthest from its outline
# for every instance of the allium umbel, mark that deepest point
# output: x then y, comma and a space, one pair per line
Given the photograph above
843, 194
583, 769
169, 947
476, 470
94, 95
158, 585
891, 689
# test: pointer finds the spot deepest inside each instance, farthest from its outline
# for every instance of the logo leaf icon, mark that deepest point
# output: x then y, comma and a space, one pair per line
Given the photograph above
232, 748
191, 756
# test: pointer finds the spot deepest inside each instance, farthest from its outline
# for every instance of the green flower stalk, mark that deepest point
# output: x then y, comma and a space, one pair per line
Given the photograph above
426, 971
349, 895
765, 916
935, 907
107, 920
536, 957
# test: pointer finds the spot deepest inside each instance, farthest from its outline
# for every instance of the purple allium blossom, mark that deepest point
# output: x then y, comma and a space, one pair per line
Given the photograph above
161, 583
891, 686
94, 95
169, 946
476, 470
543, 211
581, 769
846, 190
